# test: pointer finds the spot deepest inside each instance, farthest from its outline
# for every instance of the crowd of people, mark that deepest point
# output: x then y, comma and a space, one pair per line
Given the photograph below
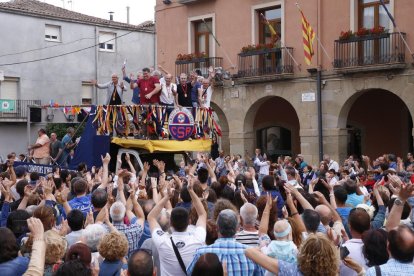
217, 215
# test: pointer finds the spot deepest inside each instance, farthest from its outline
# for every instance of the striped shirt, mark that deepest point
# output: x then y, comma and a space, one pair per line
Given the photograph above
393, 267
133, 233
231, 252
248, 238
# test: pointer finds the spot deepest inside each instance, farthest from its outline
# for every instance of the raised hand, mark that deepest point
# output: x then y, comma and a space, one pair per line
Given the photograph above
146, 166
406, 191
106, 159
36, 228
291, 188
5, 190
47, 187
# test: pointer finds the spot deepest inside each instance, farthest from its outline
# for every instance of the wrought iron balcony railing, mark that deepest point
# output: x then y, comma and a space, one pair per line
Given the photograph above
202, 64
369, 51
15, 110
267, 62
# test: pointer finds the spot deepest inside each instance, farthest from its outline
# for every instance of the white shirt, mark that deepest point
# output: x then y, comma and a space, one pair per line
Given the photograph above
333, 165
167, 96
187, 244
333, 181
206, 97
355, 251
264, 166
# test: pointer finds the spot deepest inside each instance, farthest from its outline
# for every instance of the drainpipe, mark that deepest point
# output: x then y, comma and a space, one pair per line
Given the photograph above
319, 99
155, 45
96, 65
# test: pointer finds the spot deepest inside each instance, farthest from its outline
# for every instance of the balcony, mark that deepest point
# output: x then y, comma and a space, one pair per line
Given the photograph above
370, 53
202, 64
15, 110
266, 64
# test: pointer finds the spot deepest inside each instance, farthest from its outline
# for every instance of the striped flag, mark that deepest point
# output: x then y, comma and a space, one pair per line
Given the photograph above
388, 12
308, 38
271, 29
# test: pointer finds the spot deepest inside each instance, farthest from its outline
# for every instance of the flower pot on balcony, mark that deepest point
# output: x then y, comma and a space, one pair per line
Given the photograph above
259, 52
364, 38
194, 60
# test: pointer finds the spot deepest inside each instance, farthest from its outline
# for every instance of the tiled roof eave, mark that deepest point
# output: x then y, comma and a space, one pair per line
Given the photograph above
149, 29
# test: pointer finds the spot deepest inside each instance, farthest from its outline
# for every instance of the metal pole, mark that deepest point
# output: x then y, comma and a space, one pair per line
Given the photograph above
28, 126
319, 99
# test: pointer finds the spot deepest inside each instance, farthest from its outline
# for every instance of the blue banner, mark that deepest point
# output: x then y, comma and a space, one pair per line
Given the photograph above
42, 170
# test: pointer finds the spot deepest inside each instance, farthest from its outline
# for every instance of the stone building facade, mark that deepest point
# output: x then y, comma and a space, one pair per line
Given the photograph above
270, 102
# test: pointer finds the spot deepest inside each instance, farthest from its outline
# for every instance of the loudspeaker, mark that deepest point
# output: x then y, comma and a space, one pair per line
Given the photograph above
35, 115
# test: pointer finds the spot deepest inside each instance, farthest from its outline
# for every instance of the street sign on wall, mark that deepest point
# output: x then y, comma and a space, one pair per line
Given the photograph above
7, 105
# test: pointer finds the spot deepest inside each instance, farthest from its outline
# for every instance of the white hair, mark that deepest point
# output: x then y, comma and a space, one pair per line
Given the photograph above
93, 234
248, 213
117, 211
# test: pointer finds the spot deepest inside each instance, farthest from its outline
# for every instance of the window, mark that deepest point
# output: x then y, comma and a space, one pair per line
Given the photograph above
203, 40
8, 95
274, 16
274, 141
372, 14
52, 33
87, 92
107, 41
9, 88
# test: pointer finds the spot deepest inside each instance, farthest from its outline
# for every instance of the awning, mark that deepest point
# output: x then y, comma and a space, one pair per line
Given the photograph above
164, 145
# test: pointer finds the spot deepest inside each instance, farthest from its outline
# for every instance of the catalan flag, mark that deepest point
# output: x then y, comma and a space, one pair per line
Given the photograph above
271, 29
308, 38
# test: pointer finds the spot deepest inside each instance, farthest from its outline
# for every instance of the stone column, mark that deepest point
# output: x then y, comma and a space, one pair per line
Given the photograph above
335, 143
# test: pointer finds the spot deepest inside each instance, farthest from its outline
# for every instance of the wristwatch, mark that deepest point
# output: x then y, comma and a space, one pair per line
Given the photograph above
399, 202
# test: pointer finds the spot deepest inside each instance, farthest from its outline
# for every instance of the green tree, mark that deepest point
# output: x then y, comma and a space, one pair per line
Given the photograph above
61, 128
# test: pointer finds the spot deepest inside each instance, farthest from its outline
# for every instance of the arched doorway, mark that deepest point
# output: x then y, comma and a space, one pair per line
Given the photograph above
378, 122
275, 127
220, 117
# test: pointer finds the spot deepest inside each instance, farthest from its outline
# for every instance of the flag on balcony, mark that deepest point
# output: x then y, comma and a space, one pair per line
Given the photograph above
308, 38
389, 14
271, 29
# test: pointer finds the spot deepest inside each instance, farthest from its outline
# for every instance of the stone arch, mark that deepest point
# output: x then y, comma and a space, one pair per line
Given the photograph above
249, 120
271, 111
381, 118
346, 107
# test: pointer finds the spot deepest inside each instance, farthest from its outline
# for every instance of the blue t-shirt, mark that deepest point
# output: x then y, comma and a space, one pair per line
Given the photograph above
280, 201
355, 199
15, 267
194, 92
146, 234
108, 268
82, 203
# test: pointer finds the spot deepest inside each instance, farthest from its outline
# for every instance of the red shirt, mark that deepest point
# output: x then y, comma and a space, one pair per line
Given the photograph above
146, 87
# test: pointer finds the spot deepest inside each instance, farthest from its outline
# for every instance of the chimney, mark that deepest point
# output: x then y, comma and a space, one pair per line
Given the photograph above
127, 14
111, 16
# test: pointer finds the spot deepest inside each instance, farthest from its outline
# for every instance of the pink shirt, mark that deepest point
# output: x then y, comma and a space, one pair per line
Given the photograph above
44, 150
